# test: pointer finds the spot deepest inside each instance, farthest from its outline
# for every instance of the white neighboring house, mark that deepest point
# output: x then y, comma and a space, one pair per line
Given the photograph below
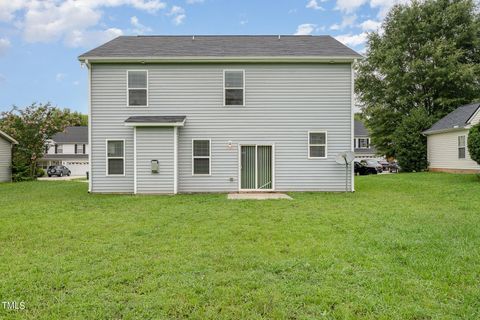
362, 142
447, 141
69, 148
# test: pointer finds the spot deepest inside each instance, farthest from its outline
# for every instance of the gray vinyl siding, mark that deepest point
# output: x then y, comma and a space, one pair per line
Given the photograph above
283, 102
154, 144
5, 160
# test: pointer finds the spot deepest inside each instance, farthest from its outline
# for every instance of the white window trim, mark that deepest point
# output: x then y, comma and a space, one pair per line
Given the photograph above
359, 146
128, 89
107, 158
313, 145
203, 157
464, 147
224, 95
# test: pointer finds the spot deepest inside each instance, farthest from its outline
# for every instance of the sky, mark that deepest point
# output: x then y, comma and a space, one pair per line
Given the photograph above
40, 40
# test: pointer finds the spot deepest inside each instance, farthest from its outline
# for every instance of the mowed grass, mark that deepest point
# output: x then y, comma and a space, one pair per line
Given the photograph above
403, 246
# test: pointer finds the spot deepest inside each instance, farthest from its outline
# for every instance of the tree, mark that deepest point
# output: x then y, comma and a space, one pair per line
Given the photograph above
32, 127
410, 143
427, 56
474, 143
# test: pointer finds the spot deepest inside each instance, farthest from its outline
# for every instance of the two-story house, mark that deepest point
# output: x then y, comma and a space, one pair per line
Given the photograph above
175, 114
69, 148
362, 142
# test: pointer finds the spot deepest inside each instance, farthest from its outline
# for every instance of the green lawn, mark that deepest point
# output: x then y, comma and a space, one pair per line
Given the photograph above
403, 246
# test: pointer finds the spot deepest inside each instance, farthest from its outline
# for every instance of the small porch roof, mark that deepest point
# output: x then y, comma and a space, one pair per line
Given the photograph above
156, 121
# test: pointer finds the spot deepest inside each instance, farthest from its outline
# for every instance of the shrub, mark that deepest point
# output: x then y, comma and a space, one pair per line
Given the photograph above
410, 143
40, 172
474, 143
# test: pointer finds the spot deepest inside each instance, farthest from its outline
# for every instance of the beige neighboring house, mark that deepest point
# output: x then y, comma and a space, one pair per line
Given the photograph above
447, 141
6, 144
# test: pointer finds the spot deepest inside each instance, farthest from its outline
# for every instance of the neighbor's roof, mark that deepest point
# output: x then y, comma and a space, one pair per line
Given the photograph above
218, 47
72, 135
359, 129
7, 137
455, 119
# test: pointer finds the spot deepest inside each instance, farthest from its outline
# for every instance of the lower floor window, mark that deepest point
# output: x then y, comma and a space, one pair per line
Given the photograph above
201, 156
115, 157
461, 147
317, 144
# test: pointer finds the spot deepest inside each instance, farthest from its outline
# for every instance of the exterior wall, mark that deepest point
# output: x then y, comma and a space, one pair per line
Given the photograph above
68, 148
5, 160
155, 144
282, 103
443, 152
476, 118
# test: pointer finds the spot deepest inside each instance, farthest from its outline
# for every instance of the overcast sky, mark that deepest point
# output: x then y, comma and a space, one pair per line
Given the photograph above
41, 39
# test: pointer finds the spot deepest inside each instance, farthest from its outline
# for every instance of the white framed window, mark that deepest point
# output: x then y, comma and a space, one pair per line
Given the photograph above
201, 157
59, 148
234, 87
115, 155
137, 88
317, 144
462, 147
363, 143
79, 149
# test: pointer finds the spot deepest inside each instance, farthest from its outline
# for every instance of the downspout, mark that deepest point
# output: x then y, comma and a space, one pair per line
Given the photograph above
352, 104
90, 175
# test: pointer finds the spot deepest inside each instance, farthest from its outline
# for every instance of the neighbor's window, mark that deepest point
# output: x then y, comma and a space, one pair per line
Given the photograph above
115, 157
317, 144
80, 149
363, 143
234, 87
461, 147
201, 157
59, 148
137, 88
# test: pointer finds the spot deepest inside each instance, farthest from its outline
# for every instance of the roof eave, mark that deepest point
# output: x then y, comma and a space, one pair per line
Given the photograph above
207, 59
429, 132
8, 138
154, 124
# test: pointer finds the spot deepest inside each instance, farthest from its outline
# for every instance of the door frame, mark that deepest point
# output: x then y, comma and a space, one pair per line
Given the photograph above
256, 166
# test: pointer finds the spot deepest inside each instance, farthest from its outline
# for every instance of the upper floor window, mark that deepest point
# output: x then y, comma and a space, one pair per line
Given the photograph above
363, 143
137, 87
317, 144
80, 149
234, 87
461, 147
58, 148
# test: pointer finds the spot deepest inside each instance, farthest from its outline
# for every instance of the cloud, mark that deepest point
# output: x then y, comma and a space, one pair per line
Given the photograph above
370, 25
313, 4
352, 40
75, 22
347, 22
305, 29
243, 22
76, 83
383, 6
4, 45
138, 28
194, 1
60, 77
178, 15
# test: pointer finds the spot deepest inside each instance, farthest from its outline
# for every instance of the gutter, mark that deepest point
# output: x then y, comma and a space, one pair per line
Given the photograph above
453, 129
210, 59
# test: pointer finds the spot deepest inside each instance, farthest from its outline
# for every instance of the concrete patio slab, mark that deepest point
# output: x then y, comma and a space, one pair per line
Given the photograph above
258, 196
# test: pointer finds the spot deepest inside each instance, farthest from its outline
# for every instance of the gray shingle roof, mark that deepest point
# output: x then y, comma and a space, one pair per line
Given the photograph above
359, 129
221, 46
72, 135
455, 119
61, 156
156, 119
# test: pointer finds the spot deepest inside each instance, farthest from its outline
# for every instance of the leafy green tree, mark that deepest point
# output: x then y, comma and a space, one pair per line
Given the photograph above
474, 143
32, 127
410, 143
427, 55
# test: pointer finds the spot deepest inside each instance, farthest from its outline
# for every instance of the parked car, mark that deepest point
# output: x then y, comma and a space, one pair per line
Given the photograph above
58, 171
393, 167
385, 165
373, 164
362, 169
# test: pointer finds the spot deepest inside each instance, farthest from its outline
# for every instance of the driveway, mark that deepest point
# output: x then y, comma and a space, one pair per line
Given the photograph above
60, 178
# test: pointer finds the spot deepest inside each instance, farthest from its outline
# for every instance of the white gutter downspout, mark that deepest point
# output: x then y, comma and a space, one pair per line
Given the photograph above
89, 125
134, 160
175, 156
352, 93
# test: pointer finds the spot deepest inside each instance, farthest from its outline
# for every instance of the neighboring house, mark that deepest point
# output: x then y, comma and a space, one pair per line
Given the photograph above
447, 141
6, 145
186, 114
69, 148
362, 142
